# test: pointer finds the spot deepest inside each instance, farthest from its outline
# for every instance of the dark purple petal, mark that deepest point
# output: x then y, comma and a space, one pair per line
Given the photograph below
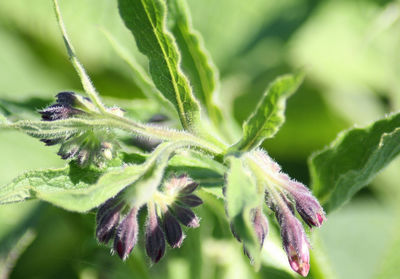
155, 241
105, 207
173, 230
186, 216
107, 223
67, 98
58, 112
126, 236
190, 188
50, 142
190, 200
309, 209
294, 242
260, 224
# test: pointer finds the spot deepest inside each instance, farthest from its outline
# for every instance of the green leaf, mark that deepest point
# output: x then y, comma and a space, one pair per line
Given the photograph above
269, 114
81, 189
196, 62
140, 77
146, 20
241, 196
353, 160
71, 187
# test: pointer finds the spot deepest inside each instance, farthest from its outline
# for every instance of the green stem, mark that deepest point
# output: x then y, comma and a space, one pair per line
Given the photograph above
85, 80
165, 134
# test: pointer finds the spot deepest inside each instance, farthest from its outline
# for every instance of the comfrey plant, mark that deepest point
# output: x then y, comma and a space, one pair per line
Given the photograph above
191, 132
184, 83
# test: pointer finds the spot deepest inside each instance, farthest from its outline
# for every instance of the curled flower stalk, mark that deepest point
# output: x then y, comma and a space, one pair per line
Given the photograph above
167, 210
84, 145
283, 196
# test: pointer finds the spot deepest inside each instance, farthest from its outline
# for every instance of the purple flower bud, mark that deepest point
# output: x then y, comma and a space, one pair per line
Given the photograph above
67, 98
107, 222
190, 200
173, 230
155, 242
186, 216
189, 188
294, 242
260, 224
58, 112
50, 142
126, 236
104, 208
309, 209
77, 101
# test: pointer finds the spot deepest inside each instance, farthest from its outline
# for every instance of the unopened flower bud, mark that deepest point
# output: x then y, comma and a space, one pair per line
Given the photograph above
186, 216
77, 101
107, 223
86, 146
50, 142
155, 241
173, 230
260, 224
58, 112
126, 236
294, 242
190, 200
106, 150
189, 188
309, 209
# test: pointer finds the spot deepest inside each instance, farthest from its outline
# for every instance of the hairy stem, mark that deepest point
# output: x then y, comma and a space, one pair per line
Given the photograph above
85, 80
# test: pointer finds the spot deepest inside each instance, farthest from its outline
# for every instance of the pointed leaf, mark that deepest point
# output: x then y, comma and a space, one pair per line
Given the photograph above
140, 77
196, 62
146, 20
353, 160
269, 114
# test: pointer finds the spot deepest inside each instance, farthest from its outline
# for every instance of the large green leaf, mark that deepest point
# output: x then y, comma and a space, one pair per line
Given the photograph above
353, 160
140, 76
269, 114
77, 189
70, 187
196, 62
146, 20
241, 197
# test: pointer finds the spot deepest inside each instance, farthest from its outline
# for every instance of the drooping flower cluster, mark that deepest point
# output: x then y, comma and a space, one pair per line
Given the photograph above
283, 196
84, 145
166, 212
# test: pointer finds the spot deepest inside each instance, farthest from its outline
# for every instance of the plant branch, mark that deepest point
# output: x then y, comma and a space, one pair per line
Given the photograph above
85, 80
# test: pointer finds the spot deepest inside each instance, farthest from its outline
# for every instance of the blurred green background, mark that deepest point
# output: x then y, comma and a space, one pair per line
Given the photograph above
350, 51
